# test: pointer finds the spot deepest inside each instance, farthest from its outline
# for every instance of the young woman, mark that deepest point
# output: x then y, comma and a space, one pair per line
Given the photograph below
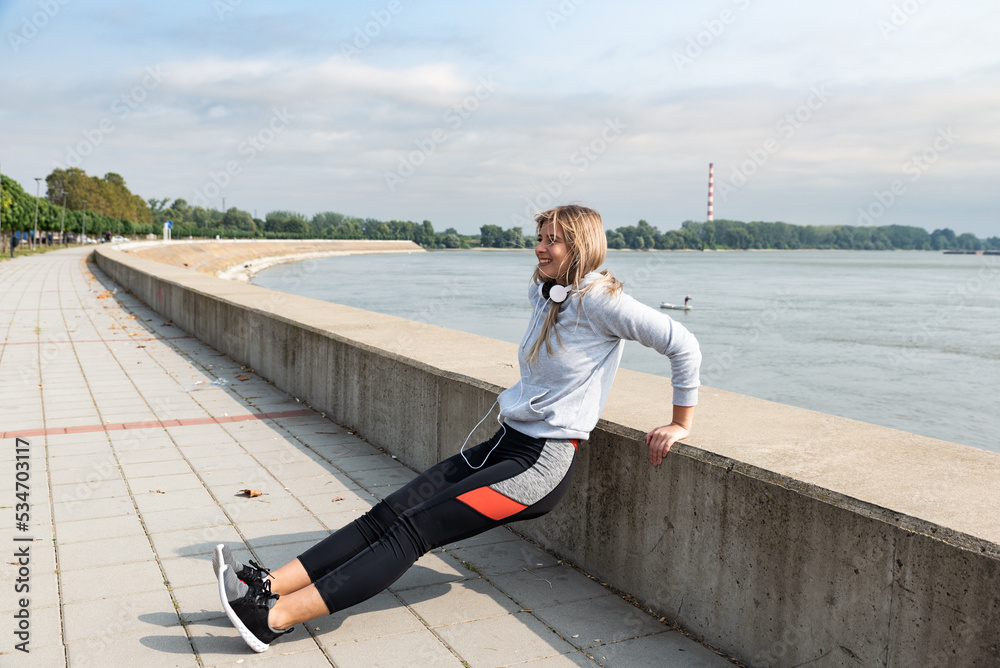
568, 359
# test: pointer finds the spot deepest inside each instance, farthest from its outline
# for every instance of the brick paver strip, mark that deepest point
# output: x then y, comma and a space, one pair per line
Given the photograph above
74, 341
152, 424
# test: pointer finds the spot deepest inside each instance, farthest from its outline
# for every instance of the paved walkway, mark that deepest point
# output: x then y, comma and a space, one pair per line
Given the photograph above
138, 440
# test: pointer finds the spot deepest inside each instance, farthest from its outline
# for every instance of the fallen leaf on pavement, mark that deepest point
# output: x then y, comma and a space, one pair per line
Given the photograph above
251, 492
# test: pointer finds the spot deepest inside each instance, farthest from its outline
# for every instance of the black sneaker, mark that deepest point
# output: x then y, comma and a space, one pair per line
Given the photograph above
247, 608
252, 574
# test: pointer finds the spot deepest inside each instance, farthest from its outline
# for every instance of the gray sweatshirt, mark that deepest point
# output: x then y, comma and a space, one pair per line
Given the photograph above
561, 396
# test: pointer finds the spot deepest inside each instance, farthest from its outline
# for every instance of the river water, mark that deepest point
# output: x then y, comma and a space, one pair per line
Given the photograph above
907, 340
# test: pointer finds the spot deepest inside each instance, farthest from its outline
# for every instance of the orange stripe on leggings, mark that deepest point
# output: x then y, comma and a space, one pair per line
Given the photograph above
493, 504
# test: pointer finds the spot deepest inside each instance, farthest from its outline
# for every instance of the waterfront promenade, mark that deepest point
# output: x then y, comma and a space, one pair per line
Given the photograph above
139, 440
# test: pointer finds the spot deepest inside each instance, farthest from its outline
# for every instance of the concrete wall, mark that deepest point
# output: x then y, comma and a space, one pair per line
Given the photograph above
778, 535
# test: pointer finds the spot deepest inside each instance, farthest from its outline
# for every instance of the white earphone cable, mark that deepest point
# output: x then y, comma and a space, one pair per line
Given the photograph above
503, 427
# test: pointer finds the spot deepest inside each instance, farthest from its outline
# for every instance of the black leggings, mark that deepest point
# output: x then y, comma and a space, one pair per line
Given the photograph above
523, 478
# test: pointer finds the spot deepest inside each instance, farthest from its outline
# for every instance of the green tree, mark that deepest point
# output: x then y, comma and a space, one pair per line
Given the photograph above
491, 236
513, 238
235, 219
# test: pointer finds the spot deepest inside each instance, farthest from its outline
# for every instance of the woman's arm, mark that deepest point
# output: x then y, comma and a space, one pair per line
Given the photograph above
662, 438
623, 317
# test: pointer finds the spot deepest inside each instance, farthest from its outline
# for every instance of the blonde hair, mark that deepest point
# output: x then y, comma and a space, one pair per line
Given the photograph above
583, 233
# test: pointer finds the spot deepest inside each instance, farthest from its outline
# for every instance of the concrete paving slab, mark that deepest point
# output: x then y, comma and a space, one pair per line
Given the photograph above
218, 643
50, 656
334, 521
503, 641
262, 508
196, 570
252, 475
70, 462
46, 629
102, 483
339, 501
506, 557
544, 587
112, 616
90, 554
571, 660
103, 528
365, 462
670, 649
167, 483
382, 478
277, 532
583, 622
163, 521
111, 581
193, 542
273, 557
73, 504
162, 647
198, 603
431, 569
457, 602
332, 484
497, 535
150, 502
146, 455
156, 469
380, 616
221, 449
417, 648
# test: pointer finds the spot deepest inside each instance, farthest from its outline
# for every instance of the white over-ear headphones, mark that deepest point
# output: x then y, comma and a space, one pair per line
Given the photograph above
554, 291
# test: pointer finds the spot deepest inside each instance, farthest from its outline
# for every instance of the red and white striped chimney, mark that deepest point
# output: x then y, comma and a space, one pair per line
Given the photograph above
711, 187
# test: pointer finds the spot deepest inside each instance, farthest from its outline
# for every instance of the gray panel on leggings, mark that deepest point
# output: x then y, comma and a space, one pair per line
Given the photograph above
531, 486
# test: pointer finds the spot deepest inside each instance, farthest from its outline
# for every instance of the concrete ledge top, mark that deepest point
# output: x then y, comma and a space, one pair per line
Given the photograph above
925, 485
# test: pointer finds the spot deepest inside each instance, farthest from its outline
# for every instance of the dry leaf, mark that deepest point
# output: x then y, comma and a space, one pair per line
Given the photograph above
251, 492
160, 491
242, 377
338, 498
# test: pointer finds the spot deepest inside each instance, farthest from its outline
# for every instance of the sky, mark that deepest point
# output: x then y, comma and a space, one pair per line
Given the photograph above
856, 112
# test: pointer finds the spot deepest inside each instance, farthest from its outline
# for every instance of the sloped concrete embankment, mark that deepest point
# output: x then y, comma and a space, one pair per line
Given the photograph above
240, 259
778, 535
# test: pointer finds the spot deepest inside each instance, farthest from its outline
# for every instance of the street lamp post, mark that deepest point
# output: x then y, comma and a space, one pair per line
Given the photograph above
38, 185
62, 225
83, 232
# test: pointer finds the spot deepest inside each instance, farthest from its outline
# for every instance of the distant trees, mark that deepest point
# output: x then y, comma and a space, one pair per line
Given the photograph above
109, 195
112, 207
734, 234
234, 219
494, 236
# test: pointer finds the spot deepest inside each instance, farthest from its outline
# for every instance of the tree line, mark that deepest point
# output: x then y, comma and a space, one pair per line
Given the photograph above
738, 235
74, 199
80, 203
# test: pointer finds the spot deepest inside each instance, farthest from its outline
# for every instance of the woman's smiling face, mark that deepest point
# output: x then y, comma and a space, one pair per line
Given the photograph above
552, 252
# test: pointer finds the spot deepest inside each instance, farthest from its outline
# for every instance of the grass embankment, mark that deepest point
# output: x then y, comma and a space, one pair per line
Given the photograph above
25, 249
